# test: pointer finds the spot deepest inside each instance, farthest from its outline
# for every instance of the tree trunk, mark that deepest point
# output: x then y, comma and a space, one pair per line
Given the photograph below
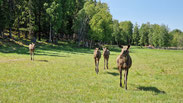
39, 34
18, 28
30, 36
90, 44
26, 34
1, 33
50, 34
39, 20
10, 17
10, 35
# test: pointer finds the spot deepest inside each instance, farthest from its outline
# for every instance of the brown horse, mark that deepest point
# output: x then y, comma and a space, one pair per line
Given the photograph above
106, 54
124, 62
31, 50
97, 56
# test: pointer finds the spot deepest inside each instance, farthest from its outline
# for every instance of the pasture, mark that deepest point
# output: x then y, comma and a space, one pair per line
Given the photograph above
66, 74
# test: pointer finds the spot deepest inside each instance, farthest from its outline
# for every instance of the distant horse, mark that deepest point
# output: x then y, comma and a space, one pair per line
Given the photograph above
97, 56
31, 50
106, 54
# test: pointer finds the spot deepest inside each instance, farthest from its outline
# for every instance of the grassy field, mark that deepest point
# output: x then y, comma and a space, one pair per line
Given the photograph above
64, 73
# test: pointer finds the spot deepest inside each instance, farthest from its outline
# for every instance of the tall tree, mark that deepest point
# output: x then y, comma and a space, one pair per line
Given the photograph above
144, 31
54, 12
31, 18
101, 23
158, 35
81, 24
176, 37
163, 36
3, 14
127, 30
116, 32
153, 36
135, 35
18, 11
11, 16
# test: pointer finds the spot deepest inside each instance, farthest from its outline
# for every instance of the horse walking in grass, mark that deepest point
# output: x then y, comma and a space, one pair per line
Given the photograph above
124, 62
97, 56
106, 54
31, 50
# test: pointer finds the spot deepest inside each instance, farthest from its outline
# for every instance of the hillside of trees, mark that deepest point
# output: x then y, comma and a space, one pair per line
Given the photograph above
84, 21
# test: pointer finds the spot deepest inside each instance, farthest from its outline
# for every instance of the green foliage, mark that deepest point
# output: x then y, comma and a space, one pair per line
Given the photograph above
94, 22
3, 19
154, 35
126, 31
6, 14
89, 8
143, 32
163, 36
116, 31
81, 23
135, 35
54, 11
176, 38
88, 20
101, 23
158, 36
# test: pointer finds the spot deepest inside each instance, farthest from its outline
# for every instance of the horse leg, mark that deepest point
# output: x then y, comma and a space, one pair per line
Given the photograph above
104, 63
120, 70
126, 75
95, 66
31, 55
107, 64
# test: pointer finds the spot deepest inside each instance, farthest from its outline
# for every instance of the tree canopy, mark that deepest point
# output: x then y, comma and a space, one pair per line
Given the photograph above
80, 20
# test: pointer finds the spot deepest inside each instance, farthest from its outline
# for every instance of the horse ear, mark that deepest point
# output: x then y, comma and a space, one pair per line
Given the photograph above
128, 46
120, 46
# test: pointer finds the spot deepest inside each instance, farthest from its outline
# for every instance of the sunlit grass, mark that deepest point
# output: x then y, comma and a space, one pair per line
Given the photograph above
63, 73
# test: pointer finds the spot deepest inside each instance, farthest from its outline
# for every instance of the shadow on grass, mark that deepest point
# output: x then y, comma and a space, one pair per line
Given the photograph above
42, 60
115, 68
21, 47
55, 55
113, 73
153, 89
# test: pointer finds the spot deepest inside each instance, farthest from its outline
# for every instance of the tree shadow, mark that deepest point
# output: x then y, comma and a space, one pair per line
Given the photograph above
21, 47
113, 73
153, 89
55, 55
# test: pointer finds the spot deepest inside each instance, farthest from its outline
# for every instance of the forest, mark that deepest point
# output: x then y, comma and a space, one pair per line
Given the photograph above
83, 21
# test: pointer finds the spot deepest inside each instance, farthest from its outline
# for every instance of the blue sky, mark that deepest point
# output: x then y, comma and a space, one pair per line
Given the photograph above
168, 12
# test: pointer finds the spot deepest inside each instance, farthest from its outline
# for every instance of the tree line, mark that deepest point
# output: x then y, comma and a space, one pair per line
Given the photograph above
85, 21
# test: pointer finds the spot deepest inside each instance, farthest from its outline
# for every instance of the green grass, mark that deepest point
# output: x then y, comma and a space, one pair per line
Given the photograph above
65, 73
